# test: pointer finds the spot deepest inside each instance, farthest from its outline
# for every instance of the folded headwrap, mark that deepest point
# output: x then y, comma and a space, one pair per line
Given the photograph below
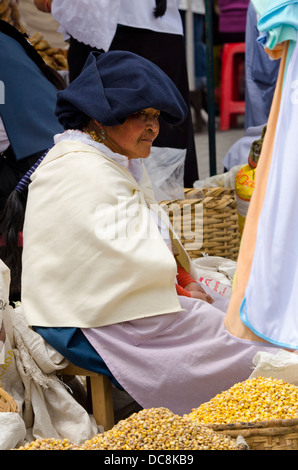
114, 85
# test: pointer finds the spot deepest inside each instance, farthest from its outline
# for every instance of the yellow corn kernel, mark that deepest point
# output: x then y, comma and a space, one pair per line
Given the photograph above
256, 399
158, 429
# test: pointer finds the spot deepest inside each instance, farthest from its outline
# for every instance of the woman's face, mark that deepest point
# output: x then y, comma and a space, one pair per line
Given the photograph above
135, 136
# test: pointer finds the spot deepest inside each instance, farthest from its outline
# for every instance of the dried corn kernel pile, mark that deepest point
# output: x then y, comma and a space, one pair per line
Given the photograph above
257, 399
158, 429
48, 444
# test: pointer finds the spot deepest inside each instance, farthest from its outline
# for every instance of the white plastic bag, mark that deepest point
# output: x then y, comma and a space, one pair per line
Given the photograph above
223, 180
216, 273
165, 167
282, 365
215, 267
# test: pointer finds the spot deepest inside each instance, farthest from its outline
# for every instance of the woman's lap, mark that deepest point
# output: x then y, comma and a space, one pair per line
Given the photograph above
176, 360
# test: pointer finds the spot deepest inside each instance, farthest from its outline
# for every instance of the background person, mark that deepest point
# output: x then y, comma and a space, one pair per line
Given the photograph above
27, 118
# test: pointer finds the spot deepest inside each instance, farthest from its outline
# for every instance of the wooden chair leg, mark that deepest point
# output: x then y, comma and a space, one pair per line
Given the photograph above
102, 402
101, 395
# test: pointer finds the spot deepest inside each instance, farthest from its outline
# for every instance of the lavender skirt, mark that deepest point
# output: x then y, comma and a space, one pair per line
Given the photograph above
178, 360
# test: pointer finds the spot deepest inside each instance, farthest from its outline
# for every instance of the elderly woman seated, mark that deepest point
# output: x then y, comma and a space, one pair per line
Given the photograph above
100, 259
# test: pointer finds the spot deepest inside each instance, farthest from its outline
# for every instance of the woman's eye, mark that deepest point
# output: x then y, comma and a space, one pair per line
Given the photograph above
145, 115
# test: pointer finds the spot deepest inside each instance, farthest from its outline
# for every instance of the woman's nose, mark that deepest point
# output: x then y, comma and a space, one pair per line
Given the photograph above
153, 124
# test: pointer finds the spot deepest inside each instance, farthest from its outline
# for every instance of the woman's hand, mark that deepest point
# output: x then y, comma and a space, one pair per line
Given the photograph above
196, 291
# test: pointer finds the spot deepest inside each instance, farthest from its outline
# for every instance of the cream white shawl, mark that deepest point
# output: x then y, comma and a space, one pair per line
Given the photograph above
77, 272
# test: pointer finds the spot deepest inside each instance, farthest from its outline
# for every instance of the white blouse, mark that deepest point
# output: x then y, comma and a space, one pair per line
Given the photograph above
94, 22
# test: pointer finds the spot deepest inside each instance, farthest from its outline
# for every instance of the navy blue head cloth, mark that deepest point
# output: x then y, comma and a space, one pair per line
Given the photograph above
114, 85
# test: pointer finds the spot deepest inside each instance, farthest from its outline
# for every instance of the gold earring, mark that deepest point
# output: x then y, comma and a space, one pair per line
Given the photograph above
97, 138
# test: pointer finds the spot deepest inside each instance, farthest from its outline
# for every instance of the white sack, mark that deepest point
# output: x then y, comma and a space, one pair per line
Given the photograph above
12, 431
282, 365
28, 374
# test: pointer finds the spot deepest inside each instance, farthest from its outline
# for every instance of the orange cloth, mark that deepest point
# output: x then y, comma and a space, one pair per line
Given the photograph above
232, 321
183, 278
181, 291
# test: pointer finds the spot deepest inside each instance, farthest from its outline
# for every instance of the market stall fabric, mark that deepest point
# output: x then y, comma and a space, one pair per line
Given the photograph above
263, 304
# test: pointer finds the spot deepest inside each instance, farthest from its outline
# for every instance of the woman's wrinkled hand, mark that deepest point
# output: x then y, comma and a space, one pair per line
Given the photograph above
197, 292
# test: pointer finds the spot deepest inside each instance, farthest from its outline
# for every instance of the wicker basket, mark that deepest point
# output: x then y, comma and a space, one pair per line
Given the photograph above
279, 434
7, 403
206, 222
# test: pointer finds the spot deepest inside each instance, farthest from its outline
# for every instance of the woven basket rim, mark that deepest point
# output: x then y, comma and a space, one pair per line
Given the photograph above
14, 408
214, 191
206, 221
272, 423
201, 193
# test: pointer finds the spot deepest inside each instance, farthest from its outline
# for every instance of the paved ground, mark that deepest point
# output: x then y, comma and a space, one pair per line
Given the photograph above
223, 141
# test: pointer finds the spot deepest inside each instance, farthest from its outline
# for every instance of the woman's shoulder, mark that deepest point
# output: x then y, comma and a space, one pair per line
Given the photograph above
73, 160
75, 149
